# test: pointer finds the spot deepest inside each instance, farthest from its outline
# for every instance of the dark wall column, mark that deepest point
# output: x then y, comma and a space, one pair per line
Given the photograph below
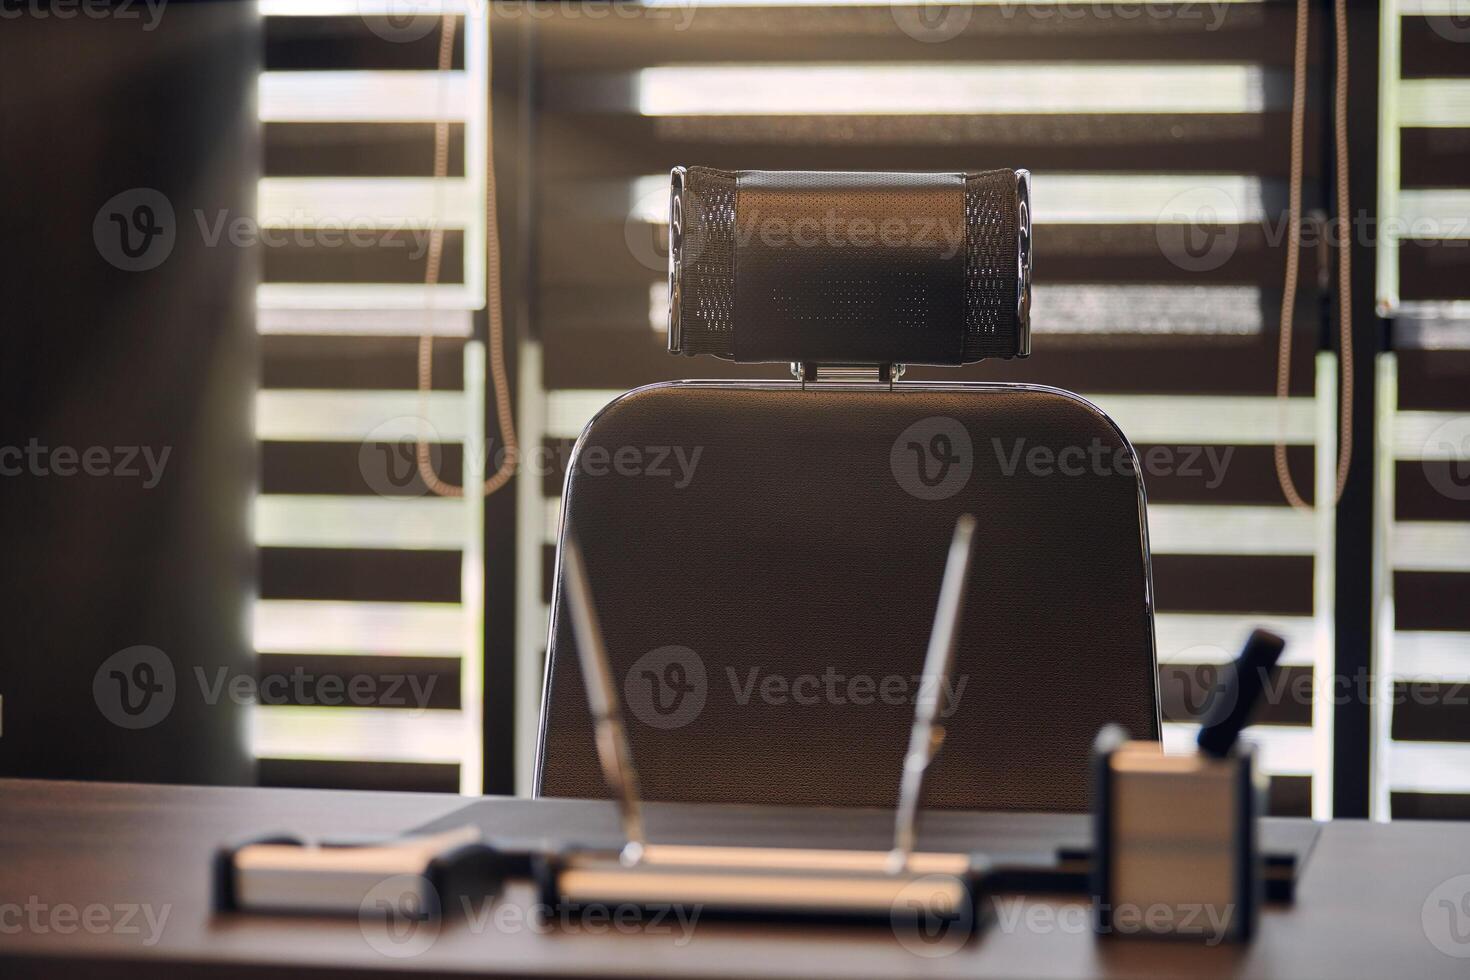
127, 455
1352, 713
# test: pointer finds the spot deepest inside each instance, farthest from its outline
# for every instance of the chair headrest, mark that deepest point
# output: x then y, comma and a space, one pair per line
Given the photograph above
850, 268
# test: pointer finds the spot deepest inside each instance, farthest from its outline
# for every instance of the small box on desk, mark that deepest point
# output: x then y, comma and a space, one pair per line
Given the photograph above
1177, 852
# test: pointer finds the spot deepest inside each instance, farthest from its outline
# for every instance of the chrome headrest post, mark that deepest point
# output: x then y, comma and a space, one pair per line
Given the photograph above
1023, 261
677, 180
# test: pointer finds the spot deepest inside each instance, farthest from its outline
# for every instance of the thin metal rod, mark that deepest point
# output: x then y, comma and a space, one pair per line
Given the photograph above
932, 705
613, 750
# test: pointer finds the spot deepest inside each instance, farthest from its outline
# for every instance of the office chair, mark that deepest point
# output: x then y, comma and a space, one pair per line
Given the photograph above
767, 612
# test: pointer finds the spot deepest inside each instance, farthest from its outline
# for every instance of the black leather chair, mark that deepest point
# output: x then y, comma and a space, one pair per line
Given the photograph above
767, 615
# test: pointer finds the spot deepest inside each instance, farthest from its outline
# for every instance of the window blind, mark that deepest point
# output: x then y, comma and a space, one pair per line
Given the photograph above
368, 626
1158, 141
1422, 699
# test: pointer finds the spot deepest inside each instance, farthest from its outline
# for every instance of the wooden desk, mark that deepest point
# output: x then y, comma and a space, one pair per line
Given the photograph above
68, 846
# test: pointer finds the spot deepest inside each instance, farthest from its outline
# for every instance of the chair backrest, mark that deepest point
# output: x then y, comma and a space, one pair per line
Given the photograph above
766, 559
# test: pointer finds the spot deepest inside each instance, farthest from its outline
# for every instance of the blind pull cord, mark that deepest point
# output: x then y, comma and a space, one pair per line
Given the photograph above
1293, 247
498, 376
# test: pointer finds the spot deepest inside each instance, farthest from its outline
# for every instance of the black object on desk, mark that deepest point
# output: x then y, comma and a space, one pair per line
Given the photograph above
1241, 688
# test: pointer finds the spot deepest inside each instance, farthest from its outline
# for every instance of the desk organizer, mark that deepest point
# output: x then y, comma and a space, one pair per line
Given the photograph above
1176, 843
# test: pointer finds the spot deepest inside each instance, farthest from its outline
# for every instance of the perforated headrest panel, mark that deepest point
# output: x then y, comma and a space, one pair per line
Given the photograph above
845, 267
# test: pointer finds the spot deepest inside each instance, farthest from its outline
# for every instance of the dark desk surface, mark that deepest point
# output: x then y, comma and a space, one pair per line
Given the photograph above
1361, 912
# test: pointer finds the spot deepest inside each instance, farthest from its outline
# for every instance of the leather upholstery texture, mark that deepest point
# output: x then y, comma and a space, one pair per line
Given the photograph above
767, 608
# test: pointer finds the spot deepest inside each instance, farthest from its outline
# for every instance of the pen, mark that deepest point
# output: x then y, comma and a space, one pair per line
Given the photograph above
612, 738
1241, 689
932, 704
